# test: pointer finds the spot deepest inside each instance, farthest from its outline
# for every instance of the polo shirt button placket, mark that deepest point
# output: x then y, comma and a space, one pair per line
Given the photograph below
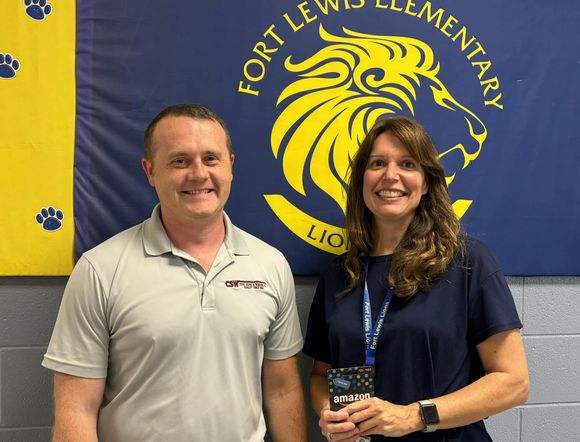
208, 296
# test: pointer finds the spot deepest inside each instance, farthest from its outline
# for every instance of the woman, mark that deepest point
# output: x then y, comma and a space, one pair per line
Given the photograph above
450, 335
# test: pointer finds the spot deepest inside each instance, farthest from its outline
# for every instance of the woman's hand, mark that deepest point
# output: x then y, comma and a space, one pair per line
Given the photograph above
333, 424
375, 416
335, 427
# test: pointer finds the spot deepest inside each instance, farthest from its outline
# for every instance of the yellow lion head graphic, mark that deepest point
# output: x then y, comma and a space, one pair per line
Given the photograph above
344, 88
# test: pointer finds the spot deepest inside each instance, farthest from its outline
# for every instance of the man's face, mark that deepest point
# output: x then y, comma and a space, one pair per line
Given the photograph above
191, 169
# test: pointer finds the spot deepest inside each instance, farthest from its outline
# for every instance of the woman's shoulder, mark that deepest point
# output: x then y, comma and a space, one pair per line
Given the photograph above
475, 247
477, 255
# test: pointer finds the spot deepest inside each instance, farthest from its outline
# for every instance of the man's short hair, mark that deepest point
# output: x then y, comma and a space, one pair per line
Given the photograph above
191, 110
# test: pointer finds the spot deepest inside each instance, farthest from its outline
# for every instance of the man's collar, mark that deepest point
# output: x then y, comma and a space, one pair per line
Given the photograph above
156, 241
235, 241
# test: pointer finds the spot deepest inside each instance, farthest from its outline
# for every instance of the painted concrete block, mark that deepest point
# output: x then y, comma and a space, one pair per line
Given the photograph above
25, 389
554, 364
552, 306
504, 427
26, 435
29, 309
551, 423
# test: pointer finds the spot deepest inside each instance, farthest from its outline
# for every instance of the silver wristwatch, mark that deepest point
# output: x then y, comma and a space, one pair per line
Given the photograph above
429, 416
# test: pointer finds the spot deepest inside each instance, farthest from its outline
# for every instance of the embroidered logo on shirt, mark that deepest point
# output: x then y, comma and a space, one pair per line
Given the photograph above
238, 283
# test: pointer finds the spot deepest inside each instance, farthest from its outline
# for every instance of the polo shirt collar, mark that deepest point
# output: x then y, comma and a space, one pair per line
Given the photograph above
156, 241
235, 241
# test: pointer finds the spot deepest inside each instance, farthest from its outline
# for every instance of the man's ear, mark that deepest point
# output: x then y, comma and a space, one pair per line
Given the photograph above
148, 168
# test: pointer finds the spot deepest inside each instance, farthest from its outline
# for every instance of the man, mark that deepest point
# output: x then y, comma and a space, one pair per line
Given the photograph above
178, 329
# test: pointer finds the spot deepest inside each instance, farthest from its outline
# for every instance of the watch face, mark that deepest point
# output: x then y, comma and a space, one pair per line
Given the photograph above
430, 415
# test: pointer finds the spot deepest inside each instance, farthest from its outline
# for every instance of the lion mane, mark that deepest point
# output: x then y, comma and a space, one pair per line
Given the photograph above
342, 90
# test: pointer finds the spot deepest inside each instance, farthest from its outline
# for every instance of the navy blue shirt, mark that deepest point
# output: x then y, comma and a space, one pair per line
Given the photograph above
427, 345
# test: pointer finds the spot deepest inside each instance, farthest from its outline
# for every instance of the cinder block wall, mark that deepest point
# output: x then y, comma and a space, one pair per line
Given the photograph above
549, 308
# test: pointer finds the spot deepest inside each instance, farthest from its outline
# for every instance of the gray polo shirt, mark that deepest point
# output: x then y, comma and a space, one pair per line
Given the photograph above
182, 350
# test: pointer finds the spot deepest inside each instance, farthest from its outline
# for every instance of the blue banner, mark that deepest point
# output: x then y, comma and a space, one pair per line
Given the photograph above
299, 82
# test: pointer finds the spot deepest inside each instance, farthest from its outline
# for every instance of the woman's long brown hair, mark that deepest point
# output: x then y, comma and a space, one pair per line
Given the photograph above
433, 237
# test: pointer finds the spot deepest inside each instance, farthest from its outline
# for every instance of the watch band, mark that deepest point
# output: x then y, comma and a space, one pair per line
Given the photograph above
429, 416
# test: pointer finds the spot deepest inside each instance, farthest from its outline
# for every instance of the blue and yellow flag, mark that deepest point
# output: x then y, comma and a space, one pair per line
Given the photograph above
299, 83
37, 114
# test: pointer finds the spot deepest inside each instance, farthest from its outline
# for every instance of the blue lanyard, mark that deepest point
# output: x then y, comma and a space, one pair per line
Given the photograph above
372, 332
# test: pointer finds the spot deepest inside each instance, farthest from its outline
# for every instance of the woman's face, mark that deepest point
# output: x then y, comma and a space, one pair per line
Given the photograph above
394, 182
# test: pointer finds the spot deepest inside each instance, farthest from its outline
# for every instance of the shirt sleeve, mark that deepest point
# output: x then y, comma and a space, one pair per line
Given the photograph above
491, 306
284, 337
80, 339
317, 344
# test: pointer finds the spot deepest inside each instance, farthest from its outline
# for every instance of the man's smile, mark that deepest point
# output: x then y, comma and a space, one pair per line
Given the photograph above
196, 192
